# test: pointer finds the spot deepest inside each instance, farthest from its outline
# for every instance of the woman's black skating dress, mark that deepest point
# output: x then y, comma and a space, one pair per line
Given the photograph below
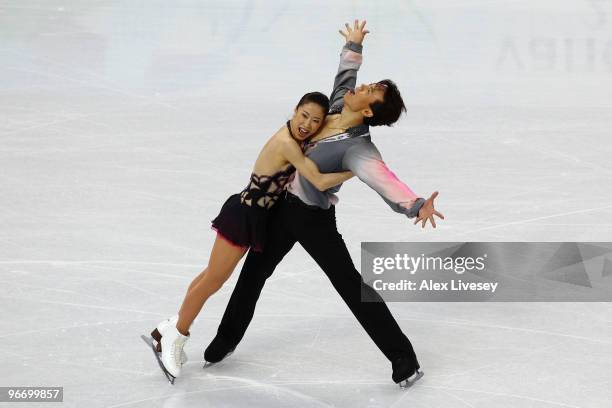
243, 218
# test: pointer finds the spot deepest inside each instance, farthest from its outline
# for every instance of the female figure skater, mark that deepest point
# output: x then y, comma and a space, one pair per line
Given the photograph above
241, 223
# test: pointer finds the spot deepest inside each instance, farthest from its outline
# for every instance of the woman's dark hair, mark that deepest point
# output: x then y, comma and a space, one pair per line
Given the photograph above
315, 97
387, 111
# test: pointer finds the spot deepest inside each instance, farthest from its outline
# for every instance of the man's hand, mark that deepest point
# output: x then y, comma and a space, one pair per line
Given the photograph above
355, 34
427, 211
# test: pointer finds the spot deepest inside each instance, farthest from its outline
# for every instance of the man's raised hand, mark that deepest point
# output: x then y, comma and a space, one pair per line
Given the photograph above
428, 211
355, 34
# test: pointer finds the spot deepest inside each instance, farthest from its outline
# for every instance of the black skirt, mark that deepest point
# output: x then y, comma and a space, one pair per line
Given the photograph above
242, 225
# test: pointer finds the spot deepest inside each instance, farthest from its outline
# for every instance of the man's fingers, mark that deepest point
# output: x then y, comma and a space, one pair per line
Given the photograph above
356, 24
439, 214
363, 23
365, 32
434, 195
348, 27
424, 221
433, 222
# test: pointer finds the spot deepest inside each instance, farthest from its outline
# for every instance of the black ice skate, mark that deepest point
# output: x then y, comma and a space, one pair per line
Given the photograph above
409, 382
217, 351
149, 341
404, 372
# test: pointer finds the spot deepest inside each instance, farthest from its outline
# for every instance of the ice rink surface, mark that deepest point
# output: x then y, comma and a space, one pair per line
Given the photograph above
124, 126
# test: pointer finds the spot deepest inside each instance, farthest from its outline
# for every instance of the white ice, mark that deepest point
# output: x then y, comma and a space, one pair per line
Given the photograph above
125, 125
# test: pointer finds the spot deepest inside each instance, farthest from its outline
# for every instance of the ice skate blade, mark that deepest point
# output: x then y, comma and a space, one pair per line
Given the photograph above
208, 364
149, 342
409, 382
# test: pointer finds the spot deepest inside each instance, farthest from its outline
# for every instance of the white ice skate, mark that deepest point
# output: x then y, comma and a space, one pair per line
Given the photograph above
156, 334
172, 343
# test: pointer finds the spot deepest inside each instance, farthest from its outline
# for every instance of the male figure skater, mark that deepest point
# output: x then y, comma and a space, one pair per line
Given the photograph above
307, 215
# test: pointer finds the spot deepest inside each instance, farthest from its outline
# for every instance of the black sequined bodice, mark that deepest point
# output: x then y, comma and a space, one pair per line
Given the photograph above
263, 191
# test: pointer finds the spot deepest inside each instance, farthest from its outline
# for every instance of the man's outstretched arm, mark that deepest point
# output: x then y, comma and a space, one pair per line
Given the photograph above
365, 161
350, 61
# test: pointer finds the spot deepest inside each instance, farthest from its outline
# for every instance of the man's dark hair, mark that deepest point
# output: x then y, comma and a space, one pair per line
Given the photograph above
315, 97
388, 111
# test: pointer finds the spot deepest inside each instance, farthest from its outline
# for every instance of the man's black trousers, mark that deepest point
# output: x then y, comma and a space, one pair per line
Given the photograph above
315, 229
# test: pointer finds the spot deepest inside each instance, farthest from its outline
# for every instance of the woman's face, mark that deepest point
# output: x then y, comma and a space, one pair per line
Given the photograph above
306, 120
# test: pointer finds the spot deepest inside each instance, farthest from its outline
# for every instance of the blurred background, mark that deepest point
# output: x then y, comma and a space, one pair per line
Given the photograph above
124, 126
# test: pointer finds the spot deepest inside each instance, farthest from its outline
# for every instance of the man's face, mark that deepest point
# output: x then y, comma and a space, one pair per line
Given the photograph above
364, 96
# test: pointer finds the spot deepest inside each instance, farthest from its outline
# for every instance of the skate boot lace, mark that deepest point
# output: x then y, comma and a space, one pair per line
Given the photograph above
177, 349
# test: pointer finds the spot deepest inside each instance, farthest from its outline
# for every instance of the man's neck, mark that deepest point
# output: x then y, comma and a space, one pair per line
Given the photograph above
349, 118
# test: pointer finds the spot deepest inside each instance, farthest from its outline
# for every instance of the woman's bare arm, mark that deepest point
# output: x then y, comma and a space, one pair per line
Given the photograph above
291, 152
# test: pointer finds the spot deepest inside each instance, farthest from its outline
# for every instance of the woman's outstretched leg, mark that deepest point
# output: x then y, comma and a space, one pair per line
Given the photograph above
223, 260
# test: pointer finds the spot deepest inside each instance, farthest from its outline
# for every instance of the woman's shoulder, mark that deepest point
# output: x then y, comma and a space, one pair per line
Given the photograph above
281, 133
282, 137
278, 142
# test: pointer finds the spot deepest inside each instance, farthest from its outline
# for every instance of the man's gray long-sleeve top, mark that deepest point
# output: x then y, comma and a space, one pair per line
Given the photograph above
354, 151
